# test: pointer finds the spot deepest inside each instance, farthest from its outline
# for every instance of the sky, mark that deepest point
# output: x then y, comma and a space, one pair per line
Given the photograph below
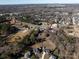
2, 2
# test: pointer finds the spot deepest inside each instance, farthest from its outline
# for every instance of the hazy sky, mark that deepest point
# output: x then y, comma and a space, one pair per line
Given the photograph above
36, 1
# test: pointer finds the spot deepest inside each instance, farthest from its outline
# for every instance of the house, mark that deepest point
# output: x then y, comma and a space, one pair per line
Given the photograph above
36, 51
52, 57
13, 20
54, 26
27, 55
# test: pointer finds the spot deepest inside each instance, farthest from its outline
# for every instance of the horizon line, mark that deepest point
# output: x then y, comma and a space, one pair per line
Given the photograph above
37, 3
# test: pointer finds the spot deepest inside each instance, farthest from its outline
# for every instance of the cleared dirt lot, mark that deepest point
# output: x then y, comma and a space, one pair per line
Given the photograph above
46, 43
74, 31
18, 37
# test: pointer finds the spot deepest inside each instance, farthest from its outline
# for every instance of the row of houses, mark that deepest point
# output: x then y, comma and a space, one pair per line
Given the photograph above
8, 20
40, 53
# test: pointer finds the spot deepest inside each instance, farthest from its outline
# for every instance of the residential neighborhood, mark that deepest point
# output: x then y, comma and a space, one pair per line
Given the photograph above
39, 31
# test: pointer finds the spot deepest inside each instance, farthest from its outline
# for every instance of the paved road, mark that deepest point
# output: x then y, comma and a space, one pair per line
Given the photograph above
43, 55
